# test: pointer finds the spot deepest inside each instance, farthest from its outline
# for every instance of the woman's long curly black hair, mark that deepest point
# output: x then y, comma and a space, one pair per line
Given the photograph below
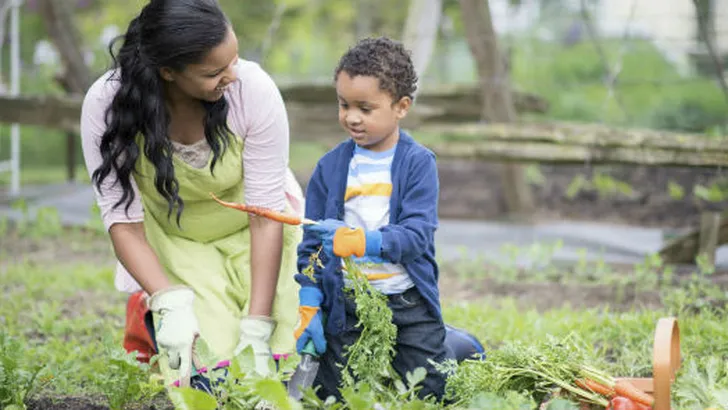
166, 33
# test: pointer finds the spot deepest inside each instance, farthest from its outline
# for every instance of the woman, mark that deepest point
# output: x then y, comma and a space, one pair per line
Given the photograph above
181, 116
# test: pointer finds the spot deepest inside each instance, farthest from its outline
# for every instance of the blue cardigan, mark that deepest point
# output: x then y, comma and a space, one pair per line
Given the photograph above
409, 239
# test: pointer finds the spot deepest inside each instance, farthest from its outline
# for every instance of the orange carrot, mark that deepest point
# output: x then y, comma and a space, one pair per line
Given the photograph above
627, 389
264, 212
595, 387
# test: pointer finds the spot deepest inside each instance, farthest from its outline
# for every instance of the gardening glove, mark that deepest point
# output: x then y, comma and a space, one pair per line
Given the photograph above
342, 240
310, 325
177, 329
255, 331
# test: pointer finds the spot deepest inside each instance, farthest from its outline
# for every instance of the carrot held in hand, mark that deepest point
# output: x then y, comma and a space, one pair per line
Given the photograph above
265, 212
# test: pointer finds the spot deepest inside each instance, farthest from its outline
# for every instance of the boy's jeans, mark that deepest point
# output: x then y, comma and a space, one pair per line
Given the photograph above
420, 336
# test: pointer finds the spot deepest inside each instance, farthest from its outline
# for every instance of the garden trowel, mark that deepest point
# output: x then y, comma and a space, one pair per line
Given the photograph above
305, 373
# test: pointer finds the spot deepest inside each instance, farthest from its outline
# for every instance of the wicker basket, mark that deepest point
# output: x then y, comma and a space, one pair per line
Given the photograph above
665, 363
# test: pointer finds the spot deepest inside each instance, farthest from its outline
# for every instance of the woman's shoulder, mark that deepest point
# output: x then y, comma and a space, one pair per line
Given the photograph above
103, 88
253, 81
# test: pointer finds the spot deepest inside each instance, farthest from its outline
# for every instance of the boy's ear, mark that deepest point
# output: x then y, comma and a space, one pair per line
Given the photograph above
402, 106
166, 74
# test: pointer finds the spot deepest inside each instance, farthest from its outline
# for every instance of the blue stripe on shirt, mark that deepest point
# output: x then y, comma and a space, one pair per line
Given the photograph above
374, 154
368, 169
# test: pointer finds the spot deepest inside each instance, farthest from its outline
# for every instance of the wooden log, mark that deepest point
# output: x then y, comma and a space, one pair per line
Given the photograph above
61, 113
562, 133
687, 247
544, 152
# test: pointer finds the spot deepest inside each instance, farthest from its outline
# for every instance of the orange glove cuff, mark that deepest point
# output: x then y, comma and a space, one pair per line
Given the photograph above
306, 314
349, 242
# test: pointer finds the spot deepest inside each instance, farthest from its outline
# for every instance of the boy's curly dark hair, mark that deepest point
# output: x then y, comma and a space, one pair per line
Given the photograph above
384, 59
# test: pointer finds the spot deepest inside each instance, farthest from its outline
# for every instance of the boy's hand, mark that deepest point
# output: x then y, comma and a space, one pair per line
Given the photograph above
341, 240
310, 326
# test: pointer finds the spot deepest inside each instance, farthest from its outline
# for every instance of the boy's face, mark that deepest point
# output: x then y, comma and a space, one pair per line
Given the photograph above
368, 113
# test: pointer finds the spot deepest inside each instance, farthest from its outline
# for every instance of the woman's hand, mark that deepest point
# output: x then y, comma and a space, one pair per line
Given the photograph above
255, 331
177, 328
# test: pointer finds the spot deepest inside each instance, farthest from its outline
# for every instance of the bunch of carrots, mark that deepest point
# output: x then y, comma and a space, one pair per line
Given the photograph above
622, 394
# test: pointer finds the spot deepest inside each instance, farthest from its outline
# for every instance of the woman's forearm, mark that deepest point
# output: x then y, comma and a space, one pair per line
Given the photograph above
137, 256
266, 243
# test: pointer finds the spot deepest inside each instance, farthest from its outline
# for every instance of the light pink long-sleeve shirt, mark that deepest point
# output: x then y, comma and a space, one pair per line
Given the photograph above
257, 114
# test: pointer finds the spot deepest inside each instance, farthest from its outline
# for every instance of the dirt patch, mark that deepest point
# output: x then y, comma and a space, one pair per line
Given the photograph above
472, 190
548, 295
41, 402
66, 403
70, 246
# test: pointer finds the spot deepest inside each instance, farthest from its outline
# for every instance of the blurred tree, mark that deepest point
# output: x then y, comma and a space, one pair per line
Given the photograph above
420, 31
496, 96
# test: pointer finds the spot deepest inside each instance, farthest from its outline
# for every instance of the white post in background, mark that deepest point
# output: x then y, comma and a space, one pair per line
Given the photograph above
15, 91
12, 7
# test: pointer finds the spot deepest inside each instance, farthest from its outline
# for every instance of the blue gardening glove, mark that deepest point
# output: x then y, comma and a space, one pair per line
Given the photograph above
341, 240
310, 325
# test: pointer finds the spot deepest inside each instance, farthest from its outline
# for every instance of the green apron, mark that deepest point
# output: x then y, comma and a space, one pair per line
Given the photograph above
210, 251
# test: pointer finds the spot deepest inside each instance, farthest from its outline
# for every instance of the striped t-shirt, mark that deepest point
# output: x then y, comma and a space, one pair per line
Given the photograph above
366, 205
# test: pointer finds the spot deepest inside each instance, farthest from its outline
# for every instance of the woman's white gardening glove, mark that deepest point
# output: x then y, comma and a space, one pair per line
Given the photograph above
177, 329
255, 331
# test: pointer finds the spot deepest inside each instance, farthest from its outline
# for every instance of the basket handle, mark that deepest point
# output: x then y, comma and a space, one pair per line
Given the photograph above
665, 361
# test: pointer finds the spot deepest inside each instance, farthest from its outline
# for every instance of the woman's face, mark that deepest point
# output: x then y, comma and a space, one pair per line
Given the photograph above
208, 79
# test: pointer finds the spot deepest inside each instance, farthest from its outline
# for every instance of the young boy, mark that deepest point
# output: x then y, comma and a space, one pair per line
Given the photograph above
375, 197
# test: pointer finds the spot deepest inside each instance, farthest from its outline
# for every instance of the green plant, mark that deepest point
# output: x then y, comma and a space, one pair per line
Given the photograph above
236, 387
130, 381
703, 383
19, 378
369, 359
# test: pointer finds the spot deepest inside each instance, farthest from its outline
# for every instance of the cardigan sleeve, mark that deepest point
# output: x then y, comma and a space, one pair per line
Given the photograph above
414, 231
316, 194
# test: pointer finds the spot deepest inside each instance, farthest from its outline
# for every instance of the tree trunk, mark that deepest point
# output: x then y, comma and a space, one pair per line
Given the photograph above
420, 32
76, 78
497, 97
58, 19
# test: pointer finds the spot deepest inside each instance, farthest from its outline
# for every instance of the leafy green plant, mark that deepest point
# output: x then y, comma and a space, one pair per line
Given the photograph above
538, 367
703, 383
18, 377
130, 381
369, 359
675, 190
236, 387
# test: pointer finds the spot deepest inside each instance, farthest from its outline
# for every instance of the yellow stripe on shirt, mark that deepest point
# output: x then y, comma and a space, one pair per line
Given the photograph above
376, 276
382, 189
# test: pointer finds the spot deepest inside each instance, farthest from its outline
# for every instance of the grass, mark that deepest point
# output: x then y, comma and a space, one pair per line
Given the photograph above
63, 320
